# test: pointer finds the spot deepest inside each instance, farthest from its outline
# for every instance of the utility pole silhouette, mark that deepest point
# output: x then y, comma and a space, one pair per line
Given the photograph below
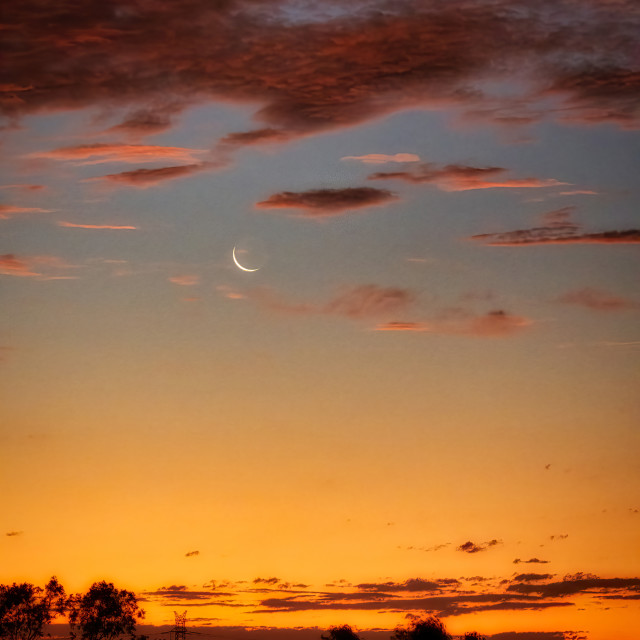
179, 631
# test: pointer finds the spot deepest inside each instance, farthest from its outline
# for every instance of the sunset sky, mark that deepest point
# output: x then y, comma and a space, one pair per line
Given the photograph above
320, 313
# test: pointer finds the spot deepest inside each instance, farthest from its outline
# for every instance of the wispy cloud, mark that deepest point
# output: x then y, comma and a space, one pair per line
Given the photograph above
557, 228
464, 178
327, 202
48, 267
186, 280
192, 554
99, 153
12, 534
598, 300
383, 158
9, 211
144, 178
110, 227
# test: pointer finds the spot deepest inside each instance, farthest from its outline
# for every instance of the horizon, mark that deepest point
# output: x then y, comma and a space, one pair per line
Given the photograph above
325, 313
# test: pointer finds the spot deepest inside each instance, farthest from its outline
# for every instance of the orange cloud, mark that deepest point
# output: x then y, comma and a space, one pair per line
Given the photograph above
73, 225
598, 300
12, 266
99, 153
9, 211
397, 325
328, 202
464, 178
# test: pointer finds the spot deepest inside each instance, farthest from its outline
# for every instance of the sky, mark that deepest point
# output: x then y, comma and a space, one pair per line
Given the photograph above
323, 313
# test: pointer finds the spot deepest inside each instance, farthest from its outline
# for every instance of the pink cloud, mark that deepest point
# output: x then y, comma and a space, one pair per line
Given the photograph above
598, 300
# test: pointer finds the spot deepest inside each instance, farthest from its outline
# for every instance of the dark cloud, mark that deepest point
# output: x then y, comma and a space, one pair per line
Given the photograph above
572, 586
413, 584
11, 534
598, 300
532, 577
530, 561
472, 547
146, 121
268, 581
322, 72
144, 178
544, 235
191, 554
464, 178
327, 202
257, 136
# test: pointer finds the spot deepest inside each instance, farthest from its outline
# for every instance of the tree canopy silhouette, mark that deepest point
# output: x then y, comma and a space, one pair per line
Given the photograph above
104, 612
473, 635
430, 628
343, 632
25, 609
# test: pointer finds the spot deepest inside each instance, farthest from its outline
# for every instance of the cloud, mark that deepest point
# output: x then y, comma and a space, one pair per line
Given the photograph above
111, 227
382, 158
398, 325
12, 265
464, 178
100, 153
12, 534
9, 211
23, 187
598, 300
325, 72
146, 121
267, 581
257, 136
191, 554
472, 547
530, 561
187, 280
558, 228
143, 178
328, 202
361, 301
572, 585
413, 584
532, 577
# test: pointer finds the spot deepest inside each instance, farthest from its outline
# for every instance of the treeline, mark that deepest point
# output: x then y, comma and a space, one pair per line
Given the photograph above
107, 613
102, 613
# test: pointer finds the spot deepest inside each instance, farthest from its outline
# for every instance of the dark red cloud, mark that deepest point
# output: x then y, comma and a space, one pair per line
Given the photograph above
558, 228
544, 235
598, 300
143, 178
532, 577
257, 136
320, 72
328, 202
464, 178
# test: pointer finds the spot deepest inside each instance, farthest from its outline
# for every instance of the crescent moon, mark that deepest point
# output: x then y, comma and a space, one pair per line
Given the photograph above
233, 253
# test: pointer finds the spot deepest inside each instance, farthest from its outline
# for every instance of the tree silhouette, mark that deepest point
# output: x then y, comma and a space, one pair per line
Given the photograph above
104, 612
430, 628
344, 632
473, 635
25, 609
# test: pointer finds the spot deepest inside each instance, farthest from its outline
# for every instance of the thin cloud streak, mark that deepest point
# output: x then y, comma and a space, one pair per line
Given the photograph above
110, 227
